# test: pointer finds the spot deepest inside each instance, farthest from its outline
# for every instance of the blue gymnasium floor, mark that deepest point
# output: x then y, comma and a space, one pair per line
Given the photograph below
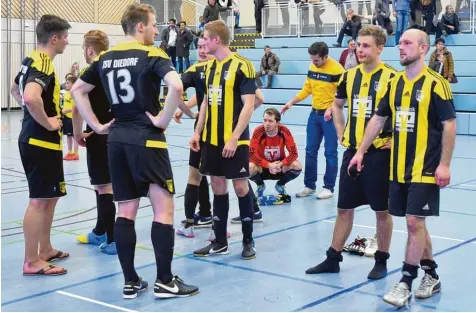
292, 238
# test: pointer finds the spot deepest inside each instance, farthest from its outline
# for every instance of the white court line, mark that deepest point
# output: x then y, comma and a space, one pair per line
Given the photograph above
95, 301
467, 185
404, 232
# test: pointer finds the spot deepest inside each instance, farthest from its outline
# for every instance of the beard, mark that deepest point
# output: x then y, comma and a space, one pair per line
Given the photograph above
408, 60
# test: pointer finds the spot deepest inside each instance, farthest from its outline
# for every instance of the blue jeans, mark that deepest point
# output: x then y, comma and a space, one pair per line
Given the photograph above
180, 64
318, 128
237, 19
402, 23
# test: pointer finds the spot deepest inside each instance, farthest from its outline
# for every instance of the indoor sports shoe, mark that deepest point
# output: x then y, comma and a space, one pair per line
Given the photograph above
249, 250
92, 239
108, 248
257, 218
371, 246
428, 287
176, 288
399, 295
325, 194
305, 192
188, 232
213, 248
201, 221
132, 289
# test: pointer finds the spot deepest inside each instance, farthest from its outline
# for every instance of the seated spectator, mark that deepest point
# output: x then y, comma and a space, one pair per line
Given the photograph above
268, 160
442, 62
449, 23
351, 27
269, 66
348, 58
382, 15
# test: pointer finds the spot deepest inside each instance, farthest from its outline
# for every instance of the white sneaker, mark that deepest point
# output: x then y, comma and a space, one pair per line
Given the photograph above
428, 287
398, 296
188, 232
305, 192
325, 194
371, 246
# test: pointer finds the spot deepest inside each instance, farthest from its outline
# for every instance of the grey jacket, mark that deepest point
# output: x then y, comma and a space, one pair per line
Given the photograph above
382, 7
211, 13
270, 62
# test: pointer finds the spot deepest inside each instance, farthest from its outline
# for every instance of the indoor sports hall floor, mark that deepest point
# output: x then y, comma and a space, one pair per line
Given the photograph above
292, 238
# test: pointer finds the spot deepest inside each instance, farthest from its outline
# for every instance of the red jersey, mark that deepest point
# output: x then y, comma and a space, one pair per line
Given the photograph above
265, 149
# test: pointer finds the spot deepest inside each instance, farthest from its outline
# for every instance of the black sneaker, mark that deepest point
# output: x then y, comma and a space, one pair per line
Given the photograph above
176, 288
249, 251
132, 289
212, 248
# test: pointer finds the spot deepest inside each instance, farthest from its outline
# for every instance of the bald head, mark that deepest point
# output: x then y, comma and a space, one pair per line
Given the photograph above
419, 36
414, 45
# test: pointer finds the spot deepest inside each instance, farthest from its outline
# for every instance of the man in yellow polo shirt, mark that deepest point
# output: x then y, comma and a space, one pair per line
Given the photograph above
323, 75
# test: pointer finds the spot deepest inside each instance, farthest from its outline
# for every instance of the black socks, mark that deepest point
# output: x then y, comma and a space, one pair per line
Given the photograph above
288, 176
429, 266
99, 229
255, 200
410, 272
204, 198
380, 268
163, 240
126, 245
257, 179
329, 265
221, 206
190, 202
107, 214
246, 214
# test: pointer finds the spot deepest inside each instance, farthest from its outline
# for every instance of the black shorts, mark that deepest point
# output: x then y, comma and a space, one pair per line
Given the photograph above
266, 175
134, 168
214, 164
416, 199
370, 186
98, 166
195, 158
67, 126
44, 171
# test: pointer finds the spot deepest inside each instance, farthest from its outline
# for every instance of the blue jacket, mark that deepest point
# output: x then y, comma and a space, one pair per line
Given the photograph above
401, 5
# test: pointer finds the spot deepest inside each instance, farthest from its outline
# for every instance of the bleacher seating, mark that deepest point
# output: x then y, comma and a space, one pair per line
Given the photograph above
295, 63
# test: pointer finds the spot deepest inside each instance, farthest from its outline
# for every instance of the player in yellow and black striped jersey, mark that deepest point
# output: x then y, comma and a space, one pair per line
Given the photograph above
130, 74
419, 103
362, 87
36, 88
223, 128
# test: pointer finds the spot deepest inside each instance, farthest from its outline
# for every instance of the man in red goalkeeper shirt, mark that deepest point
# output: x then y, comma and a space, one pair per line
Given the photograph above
268, 160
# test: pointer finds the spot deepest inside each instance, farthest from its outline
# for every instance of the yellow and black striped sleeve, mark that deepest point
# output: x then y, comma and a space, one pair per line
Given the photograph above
341, 92
384, 108
41, 71
188, 80
443, 99
248, 83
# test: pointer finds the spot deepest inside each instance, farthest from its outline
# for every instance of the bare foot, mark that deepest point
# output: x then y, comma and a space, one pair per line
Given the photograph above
53, 255
42, 268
